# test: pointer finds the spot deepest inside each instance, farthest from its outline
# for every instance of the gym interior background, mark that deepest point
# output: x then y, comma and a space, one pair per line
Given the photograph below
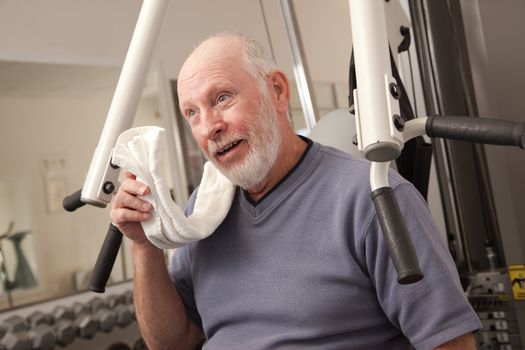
59, 64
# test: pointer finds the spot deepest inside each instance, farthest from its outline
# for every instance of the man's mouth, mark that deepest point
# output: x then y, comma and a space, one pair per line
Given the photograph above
228, 147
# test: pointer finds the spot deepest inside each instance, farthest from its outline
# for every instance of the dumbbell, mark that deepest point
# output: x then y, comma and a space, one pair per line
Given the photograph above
114, 300
102, 314
79, 308
86, 326
117, 303
128, 296
16, 336
41, 332
15, 324
131, 308
38, 317
124, 315
43, 337
64, 327
62, 313
96, 304
94, 316
17, 341
106, 320
65, 332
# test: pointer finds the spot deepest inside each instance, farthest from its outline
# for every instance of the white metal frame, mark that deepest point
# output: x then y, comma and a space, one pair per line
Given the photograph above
124, 103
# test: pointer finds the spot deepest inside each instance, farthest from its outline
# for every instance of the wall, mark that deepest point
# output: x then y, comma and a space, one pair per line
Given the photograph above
97, 32
28, 138
34, 129
495, 32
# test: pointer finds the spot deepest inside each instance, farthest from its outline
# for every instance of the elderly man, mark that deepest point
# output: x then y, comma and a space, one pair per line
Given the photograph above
299, 262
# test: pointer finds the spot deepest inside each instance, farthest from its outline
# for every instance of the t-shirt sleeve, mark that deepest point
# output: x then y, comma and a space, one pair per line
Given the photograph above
435, 309
180, 273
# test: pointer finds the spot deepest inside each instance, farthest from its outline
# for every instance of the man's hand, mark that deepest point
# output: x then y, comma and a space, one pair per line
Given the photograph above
128, 210
159, 309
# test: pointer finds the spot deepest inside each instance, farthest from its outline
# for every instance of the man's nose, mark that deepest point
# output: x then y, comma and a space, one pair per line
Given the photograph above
213, 124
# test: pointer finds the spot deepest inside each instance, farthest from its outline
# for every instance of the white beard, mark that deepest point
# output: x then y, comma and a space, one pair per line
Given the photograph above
264, 141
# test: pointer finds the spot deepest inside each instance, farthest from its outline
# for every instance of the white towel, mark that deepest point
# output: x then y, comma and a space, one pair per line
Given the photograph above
139, 151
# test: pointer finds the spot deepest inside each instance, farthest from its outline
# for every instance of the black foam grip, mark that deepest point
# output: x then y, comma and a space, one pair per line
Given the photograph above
106, 260
73, 201
396, 236
480, 130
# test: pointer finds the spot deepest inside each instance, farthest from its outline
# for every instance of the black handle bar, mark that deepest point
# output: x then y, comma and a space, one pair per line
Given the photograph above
473, 129
106, 260
108, 251
73, 201
396, 236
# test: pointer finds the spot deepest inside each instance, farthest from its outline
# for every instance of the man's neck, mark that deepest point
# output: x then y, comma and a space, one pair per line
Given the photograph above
289, 154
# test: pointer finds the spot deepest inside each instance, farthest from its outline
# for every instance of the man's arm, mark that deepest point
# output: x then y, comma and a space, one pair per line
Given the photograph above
464, 342
160, 311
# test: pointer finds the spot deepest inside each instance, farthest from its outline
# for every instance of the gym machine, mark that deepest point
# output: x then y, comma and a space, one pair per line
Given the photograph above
475, 237
441, 49
471, 223
381, 132
102, 177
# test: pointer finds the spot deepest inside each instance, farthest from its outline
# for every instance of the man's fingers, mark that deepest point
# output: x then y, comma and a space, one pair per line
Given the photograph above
135, 187
121, 216
129, 175
125, 200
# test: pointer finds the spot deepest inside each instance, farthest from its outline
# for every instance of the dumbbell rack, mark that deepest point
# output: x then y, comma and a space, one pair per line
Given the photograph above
80, 321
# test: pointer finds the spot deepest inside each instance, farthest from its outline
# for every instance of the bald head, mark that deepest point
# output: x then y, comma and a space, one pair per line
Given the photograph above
232, 49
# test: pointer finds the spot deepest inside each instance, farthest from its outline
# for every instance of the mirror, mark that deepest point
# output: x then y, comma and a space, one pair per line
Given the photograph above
52, 116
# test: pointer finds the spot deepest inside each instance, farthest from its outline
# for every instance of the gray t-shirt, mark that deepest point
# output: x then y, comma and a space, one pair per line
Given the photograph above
307, 268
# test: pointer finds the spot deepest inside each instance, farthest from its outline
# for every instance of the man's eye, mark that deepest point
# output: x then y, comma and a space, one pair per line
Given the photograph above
190, 113
222, 98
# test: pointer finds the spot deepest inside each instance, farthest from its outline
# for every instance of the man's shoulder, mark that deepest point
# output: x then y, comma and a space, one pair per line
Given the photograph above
353, 165
350, 168
335, 159
339, 176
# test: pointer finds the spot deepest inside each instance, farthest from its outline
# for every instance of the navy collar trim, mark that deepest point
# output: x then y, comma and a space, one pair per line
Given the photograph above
303, 156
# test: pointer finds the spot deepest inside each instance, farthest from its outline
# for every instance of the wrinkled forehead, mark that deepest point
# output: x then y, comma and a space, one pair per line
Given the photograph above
212, 54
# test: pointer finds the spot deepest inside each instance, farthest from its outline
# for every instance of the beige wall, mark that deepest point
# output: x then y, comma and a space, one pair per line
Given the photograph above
98, 31
495, 32
36, 128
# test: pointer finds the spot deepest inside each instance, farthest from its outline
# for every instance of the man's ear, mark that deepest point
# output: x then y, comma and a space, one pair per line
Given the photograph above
280, 89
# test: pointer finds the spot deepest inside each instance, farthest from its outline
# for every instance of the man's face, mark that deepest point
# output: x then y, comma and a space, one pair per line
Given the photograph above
233, 123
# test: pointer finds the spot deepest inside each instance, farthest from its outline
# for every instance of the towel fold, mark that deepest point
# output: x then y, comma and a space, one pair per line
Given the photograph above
139, 151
